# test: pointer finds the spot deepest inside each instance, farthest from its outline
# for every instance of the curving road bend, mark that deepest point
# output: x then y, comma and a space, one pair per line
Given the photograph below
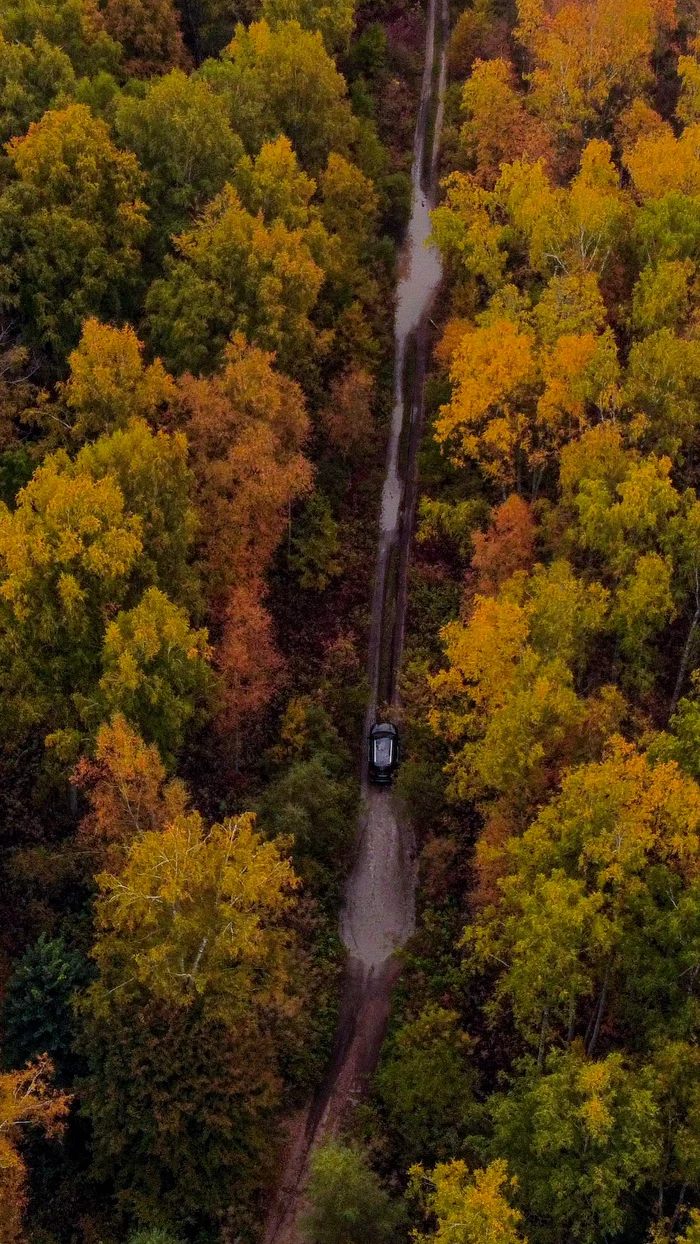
379, 911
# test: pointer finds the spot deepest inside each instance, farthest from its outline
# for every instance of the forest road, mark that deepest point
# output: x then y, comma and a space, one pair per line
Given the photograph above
378, 916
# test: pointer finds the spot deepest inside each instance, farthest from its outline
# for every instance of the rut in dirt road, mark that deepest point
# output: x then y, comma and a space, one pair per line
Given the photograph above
378, 916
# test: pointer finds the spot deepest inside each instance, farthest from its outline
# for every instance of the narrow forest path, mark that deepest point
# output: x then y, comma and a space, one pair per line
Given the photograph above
378, 916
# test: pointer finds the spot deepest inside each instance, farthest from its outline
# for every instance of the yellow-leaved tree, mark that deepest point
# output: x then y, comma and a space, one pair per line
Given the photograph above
197, 907
196, 1003
470, 1207
517, 400
109, 383
611, 861
73, 223
507, 701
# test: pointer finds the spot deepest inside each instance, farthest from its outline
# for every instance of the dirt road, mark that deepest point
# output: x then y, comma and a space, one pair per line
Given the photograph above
378, 916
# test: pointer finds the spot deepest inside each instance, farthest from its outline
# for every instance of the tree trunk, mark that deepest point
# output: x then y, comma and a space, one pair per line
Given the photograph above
200, 952
572, 1022
589, 1028
682, 670
543, 1033
601, 1008
537, 476
679, 1204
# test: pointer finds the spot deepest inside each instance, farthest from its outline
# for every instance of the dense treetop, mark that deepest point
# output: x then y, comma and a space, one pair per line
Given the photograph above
199, 211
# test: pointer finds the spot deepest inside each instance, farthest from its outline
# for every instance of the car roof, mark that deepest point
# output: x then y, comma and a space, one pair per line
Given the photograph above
385, 726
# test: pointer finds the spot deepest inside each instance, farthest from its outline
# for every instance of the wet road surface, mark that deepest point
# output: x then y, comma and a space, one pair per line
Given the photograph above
379, 911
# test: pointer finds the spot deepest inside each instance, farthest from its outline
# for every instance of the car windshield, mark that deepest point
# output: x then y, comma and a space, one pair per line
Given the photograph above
382, 750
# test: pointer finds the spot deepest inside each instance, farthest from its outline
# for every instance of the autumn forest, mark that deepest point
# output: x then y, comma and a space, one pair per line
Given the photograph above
203, 214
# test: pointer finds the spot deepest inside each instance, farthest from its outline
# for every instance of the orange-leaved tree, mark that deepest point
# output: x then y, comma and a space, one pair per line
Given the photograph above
246, 428
27, 1100
506, 546
498, 127
127, 791
252, 666
348, 414
589, 55
149, 33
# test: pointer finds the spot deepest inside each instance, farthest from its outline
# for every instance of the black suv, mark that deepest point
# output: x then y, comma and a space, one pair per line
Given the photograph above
383, 752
